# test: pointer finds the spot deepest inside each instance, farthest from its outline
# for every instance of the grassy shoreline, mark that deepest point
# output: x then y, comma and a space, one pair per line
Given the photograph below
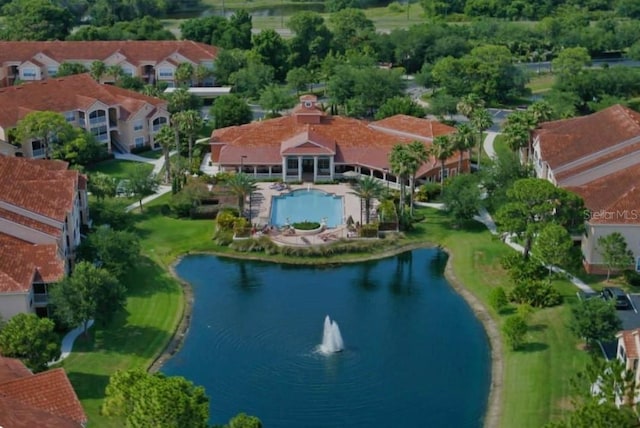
533, 388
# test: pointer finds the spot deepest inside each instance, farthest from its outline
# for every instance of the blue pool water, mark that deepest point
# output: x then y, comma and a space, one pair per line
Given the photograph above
307, 205
414, 354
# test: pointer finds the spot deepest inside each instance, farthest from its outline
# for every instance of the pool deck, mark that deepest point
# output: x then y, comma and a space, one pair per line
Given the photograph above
261, 212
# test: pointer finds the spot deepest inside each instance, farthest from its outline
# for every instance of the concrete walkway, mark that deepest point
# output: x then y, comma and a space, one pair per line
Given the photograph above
161, 191
487, 144
68, 341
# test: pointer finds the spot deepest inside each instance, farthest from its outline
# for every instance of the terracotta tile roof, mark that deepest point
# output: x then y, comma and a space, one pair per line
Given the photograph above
19, 219
357, 142
614, 198
567, 140
628, 338
602, 160
12, 368
43, 187
77, 92
14, 414
414, 127
49, 391
137, 52
22, 263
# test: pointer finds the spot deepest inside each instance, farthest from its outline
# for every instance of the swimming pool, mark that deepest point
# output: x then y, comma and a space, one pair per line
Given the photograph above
307, 205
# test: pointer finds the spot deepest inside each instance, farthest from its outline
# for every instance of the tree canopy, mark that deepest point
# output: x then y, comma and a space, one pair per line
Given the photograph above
31, 339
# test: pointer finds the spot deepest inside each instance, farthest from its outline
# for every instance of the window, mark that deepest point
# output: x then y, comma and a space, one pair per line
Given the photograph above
137, 125
127, 71
98, 116
29, 73
37, 147
52, 70
139, 141
70, 116
292, 163
158, 123
307, 104
165, 72
100, 133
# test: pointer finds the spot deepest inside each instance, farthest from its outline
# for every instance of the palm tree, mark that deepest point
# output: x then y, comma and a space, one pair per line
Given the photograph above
184, 73
189, 123
442, 149
481, 120
98, 69
463, 141
418, 156
115, 71
366, 189
469, 104
242, 186
201, 73
517, 130
166, 138
399, 158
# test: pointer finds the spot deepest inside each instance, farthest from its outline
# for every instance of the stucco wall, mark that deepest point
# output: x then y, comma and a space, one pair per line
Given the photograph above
13, 304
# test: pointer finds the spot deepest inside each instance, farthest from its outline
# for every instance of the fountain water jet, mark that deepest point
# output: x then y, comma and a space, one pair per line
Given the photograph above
331, 337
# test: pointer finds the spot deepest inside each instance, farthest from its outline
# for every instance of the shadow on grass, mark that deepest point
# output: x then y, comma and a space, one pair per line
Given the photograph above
148, 278
531, 347
537, 327
88, 385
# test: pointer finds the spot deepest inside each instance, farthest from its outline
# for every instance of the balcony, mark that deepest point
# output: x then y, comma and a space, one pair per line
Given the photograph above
38, 153
97, 120
41, 298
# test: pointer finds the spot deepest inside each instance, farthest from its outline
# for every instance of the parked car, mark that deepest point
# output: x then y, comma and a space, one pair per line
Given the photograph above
618, 296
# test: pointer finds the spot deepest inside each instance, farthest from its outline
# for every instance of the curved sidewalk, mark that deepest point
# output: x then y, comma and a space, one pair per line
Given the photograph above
67, 342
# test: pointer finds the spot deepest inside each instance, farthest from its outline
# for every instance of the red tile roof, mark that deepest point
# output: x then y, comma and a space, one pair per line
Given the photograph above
45, 399
22, 263
50, 391
356, 142
614, 198
77, 92
628, 338
137, 52
565, 141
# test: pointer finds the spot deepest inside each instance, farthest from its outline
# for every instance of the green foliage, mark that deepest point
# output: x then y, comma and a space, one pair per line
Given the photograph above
369, 230
553, 245
306, 225
116, 250
514, 330
44, 126
111, 212
615, 252
299, 79
230, 110
242, 420
428, 192
462, 197
399, 105
522, 270
81, 148
89, 293
141, 184
225, 220
31, 339
631, 277
145, 28
189, 197
35, 20
101, 185
274, 99
312, 40
252, 79
595, 320
498, 299
156, 400
539, 294
241, 227
272, 50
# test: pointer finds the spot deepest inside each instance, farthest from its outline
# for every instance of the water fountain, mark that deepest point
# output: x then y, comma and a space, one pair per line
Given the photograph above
331, 337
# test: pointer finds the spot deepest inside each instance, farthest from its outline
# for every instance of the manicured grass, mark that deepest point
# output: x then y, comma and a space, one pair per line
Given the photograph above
151, 154
536, 382
119, 168
541, 83
501, 147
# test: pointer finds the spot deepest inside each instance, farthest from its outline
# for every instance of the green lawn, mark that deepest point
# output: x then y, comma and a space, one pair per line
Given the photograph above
119, 168
501, 147
151, 154
541, 83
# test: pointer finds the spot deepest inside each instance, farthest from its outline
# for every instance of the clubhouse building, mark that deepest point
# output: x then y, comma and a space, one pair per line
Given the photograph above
309, 145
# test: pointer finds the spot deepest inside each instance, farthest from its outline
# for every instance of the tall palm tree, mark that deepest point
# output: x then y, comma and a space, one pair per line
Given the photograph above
189, 123
463, 141
166, 138
184, 73
367, 189
469, 104
418, 155
481, 120
442, 149
201, 73
115, 71
399, 158
517, 129
242, 186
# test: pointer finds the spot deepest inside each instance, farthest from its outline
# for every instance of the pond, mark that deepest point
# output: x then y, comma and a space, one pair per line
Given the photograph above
274, 10
413, 352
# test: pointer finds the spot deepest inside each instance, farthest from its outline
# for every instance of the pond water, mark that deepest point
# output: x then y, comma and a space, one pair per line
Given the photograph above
414, 354
275, 10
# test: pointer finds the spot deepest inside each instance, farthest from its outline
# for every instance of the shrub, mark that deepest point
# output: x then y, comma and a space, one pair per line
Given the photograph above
225, 220
223, 237
514, 330
427, 192
523, 270
632, 277
204, 212
241, 227
306, 225
369, 230
539, 294
498, 299
111, 212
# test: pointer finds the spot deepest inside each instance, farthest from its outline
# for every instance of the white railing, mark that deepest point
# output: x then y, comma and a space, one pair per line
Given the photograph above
38, 153
97, 120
